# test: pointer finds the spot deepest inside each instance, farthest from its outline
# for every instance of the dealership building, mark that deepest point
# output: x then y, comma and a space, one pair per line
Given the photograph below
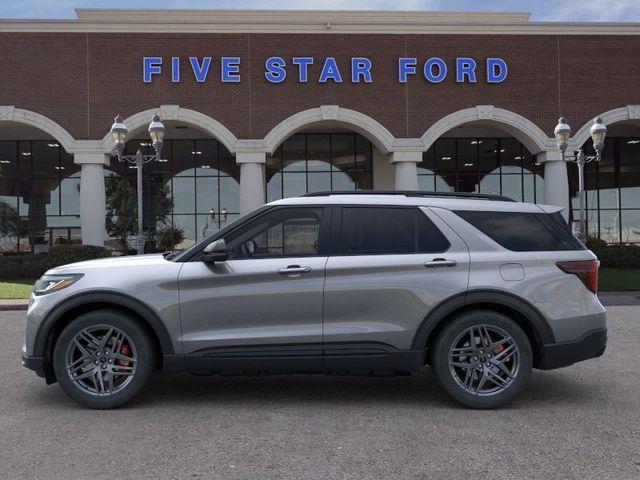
262, 105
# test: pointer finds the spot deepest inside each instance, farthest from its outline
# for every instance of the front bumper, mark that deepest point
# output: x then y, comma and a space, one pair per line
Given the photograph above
34, 363
557, 355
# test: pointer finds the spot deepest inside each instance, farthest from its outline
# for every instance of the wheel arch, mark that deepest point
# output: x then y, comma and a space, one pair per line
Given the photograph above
61, 315
528, 317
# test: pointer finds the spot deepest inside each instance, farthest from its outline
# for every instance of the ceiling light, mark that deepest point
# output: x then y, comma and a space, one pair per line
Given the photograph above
476, 142
631, 142
198, 152
59, 168
4, 162
53, 145
26, 154
468, 164
205, 166
517, 158
447, 158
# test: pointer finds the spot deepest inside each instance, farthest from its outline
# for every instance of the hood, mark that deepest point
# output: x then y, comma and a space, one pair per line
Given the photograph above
126, 261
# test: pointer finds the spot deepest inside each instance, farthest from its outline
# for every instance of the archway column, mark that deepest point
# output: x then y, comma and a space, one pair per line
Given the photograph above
93, 208
406, 169
252, 183
556, 180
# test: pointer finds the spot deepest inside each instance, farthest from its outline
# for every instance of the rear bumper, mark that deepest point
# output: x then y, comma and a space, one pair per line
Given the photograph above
557, 355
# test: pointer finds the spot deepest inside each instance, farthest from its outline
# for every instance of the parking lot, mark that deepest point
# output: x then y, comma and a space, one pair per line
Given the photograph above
580, 422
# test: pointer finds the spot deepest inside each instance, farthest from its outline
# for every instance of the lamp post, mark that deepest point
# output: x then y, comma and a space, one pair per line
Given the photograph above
562, 133
119, 133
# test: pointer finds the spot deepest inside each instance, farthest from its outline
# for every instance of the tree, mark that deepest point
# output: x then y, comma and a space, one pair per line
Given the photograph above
122, 208
9, 221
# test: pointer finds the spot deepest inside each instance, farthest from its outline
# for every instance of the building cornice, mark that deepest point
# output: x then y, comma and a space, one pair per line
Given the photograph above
311, 22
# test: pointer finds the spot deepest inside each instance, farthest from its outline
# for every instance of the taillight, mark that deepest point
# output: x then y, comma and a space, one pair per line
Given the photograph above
585, 270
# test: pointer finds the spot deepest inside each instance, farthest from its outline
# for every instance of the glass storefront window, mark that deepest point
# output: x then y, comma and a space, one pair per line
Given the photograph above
313, 162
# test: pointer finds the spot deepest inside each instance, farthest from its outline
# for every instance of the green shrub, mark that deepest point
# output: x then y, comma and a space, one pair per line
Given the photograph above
615, 256
34, 265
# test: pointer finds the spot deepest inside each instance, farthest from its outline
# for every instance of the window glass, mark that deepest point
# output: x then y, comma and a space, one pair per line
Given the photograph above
430, 239
524, 232
283, 232
378, 230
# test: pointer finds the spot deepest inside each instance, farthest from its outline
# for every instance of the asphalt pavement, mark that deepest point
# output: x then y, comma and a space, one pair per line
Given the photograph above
581, 422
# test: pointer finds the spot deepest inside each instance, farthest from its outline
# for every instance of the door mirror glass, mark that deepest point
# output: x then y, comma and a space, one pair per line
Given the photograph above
216, 251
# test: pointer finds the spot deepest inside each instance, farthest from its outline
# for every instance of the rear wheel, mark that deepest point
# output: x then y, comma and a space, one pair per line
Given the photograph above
102, 359
482, 359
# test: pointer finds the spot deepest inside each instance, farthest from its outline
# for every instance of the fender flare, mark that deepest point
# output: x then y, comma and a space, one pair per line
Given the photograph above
532, 315
113, 298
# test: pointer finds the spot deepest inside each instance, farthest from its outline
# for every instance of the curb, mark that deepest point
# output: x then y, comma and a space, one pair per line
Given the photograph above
13, 305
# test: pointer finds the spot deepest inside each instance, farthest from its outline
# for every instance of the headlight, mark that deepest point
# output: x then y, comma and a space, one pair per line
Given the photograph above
53, 283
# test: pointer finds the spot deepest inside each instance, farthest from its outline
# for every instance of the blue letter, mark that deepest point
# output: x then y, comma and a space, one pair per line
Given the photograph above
360, 66
465, 66
230, 69
175, 69
406, 66
303, 64
428, 70
200, 71
150, 66
496, 70
275, 69
330, 71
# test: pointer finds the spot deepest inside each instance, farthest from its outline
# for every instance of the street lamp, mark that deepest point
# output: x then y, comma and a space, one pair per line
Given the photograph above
119, 133
562, 133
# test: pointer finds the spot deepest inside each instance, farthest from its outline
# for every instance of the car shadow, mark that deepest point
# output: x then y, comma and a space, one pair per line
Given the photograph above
418, 390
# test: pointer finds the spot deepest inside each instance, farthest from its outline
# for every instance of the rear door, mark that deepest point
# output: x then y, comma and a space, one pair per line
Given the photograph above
389, 266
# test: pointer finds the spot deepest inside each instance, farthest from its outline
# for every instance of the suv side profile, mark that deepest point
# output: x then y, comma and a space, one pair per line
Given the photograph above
481, 288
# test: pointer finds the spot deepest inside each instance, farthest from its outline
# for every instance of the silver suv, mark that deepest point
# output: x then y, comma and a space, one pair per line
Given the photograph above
480, 288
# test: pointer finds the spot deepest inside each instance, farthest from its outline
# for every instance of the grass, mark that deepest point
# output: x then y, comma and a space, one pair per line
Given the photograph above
611, 279
16, 288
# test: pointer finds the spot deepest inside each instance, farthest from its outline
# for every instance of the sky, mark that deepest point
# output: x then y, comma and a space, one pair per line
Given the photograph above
542, 10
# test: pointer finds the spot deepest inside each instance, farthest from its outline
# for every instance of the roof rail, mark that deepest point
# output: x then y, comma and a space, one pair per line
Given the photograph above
415, 193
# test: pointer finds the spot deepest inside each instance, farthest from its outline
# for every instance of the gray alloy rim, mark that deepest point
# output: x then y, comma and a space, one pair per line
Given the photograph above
484, 360
101, 360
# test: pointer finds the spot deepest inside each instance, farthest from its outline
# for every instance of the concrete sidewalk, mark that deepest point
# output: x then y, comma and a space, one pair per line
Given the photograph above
608, 299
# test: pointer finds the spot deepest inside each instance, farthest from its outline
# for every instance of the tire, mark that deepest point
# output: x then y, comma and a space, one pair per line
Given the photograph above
465, 384
125, 363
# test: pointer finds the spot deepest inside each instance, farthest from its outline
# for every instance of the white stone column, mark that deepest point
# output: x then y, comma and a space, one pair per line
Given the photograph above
252, 188
406, 167
92, 197
556, 182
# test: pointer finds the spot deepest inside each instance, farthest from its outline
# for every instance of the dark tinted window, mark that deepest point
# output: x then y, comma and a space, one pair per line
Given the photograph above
380, 230
281, 233
524, 232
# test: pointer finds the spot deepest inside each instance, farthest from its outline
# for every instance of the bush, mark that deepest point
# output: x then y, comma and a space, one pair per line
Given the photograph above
34, 265
615, 256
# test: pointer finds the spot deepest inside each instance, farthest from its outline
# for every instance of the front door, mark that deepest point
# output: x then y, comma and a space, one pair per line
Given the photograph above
260, 310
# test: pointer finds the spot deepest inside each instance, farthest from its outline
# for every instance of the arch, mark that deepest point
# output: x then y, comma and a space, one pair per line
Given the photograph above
373, 130
629, 112
177, 113
9, 113
527, 132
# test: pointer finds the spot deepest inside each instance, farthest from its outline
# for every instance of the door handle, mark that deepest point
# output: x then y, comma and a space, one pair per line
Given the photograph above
440, 262
294, 269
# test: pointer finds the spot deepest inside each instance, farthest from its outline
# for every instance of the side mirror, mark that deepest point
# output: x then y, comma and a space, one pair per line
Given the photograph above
216, 251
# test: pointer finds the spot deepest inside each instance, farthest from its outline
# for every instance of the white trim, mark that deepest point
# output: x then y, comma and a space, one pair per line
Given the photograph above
527, 132
629, 112
382, 138
177, 113
9, 113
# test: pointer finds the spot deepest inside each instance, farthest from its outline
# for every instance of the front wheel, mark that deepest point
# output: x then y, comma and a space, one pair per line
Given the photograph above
102, 359
482, 359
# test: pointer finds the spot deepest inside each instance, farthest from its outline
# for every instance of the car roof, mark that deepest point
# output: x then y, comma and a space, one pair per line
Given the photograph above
446, 202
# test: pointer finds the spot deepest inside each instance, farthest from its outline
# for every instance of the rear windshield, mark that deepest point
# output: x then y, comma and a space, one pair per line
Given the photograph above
524, 232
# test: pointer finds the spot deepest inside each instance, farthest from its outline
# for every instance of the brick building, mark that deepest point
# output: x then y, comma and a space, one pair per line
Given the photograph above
261, 105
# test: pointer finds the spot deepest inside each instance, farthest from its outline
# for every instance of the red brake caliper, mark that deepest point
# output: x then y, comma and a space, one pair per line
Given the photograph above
498, 349
125, 350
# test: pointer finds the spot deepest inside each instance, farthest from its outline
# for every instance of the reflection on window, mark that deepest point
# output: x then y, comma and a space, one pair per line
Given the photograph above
499, 166
39, 196
313, 162
201, 180
612, 191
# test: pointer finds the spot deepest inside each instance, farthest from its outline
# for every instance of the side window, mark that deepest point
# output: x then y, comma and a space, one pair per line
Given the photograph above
281, 233
380, 230
430, 239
